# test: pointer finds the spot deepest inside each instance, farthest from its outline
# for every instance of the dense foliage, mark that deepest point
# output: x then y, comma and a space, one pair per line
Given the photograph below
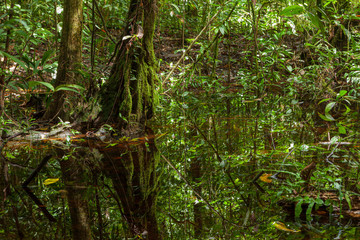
257, 122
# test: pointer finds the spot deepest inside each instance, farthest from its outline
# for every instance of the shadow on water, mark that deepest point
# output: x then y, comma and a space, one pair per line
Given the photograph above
97, 190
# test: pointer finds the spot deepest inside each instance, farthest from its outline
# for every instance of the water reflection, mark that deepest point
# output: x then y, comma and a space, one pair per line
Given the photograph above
223, 186
106, 191
133, 171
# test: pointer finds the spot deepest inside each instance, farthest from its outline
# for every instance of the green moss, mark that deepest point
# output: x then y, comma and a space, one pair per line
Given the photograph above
131, 86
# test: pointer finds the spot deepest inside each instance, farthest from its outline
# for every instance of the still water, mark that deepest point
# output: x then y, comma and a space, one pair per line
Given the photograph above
212, 170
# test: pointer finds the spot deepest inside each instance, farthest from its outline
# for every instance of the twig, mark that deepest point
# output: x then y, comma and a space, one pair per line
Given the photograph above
196, 193
190, 47
103, 22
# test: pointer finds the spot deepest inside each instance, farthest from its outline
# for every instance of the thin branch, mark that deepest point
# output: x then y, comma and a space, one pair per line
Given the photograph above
196, 193
190, 46
103, 22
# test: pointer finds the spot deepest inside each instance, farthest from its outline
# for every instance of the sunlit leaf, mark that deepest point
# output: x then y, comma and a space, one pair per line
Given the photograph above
334, 139
35, 83
50, 181
281, 226
347, 110
347, 32
126, 37
292, 10
66, 89
341, 93
327, 117
265, 178
15, 59
342, 130
161, 135
326, 99
69, 87
176, 7
329, 106
26, 26
73, 86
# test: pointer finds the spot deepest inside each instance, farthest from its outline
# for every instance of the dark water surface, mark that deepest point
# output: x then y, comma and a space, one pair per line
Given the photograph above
216, 170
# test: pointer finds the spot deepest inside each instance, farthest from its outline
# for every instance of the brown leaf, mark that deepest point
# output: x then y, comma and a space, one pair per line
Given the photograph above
265, 178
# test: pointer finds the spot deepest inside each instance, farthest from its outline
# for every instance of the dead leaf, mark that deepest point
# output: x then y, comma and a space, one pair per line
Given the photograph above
265, 178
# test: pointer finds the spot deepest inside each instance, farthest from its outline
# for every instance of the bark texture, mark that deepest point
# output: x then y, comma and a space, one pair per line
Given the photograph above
70, 60
130, 91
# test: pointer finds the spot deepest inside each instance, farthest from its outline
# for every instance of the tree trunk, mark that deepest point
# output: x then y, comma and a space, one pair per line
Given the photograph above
70, 60
130, 91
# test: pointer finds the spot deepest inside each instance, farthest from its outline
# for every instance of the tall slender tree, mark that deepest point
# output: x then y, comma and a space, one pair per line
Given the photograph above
70, 59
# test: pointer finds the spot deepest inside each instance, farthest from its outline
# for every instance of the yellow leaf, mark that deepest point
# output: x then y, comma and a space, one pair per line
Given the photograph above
281, 226
50, 181
265, 178
160, 135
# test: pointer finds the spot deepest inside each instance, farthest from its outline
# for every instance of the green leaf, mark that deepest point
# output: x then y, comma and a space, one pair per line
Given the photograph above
176, 7
329, 106
342, 130
347, 110
15, 59
347, 32
341, 93
26, 26
61, 88
315, 20
292, 10
298, 209
327, 117
326, 99
46, 56
73, 86
319, 201
334, 140
309, 210
348, 200
32, 84
69, 87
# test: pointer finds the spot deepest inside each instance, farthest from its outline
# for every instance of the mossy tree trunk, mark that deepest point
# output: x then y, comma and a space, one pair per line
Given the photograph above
130, 91
70, 60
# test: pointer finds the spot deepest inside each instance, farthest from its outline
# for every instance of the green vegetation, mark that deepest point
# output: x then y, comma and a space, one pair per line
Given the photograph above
253, 106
